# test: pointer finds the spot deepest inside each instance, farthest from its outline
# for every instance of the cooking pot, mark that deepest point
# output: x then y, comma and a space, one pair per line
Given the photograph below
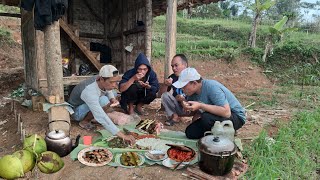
217, 155
58, 142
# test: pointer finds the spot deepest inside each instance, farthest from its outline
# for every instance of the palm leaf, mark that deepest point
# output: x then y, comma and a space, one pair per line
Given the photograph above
266, 5
279, 25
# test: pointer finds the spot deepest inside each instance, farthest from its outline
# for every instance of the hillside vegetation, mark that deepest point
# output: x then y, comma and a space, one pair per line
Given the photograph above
297, 56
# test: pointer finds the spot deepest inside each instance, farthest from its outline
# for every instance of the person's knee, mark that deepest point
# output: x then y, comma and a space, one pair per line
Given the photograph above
165, 97
191, 134
80, 112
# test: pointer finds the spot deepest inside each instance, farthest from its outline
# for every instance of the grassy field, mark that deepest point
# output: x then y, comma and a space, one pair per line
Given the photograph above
295, 57
292, 154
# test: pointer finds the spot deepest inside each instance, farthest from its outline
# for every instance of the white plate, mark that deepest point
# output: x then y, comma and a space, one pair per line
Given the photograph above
169, 163
117, 160
91, 148
156, 152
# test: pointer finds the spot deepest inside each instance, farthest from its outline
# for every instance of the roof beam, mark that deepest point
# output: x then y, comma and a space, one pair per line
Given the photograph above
10, 15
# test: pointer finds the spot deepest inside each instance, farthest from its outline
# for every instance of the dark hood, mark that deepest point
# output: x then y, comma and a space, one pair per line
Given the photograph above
151, 76
142, 59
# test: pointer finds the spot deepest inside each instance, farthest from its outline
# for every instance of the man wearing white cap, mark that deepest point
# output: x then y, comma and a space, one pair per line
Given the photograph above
91, 97
210, 101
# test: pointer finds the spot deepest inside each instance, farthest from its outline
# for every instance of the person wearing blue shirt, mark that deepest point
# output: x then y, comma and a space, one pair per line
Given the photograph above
210, 101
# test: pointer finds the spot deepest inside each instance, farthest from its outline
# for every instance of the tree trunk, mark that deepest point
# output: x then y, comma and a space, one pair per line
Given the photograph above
267, 49
189, 12
253, 34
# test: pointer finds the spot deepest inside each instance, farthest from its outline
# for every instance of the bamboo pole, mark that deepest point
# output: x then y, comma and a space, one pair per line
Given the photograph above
124, 19
148, 33
19, 123
171, 31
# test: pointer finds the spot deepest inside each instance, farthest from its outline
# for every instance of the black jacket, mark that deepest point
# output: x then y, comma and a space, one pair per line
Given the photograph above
45, 11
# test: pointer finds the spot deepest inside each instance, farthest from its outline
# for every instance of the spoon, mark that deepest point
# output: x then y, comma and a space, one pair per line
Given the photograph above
180, 147
155, 156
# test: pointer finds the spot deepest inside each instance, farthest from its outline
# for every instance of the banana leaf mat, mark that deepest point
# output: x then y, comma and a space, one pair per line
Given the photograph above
174, 136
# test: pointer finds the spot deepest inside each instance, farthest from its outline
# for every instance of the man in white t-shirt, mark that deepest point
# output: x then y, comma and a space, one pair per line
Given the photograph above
92, 97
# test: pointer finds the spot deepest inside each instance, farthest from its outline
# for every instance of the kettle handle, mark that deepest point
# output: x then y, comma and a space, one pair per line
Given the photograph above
76, 143
59, 120
227, 123
207, 132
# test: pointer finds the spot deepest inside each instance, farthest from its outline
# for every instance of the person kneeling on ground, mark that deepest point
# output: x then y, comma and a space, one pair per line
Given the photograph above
210, 101
92, 98
138, 86
172, 101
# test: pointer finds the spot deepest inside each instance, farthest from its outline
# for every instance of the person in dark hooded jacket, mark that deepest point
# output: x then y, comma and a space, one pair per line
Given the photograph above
138, 86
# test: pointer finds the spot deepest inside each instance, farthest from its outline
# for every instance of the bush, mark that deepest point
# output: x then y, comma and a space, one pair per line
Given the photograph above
297, 60
5, 36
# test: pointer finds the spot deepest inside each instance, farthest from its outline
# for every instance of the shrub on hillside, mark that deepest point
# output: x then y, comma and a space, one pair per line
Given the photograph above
297, 60
5, 36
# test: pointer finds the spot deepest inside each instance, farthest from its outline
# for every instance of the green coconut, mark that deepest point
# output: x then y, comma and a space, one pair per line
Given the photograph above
49, 162
27, 159
10, 167
35, 144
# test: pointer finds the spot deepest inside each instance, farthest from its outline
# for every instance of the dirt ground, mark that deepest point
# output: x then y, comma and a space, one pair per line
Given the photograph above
239, 76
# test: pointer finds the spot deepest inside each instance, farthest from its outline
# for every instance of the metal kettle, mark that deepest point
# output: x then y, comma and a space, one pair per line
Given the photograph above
58, 142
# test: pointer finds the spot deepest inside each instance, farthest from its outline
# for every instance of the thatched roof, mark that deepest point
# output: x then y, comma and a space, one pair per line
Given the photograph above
158, 6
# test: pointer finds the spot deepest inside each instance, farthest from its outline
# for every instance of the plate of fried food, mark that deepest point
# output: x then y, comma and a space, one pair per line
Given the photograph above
129, 159
95, 156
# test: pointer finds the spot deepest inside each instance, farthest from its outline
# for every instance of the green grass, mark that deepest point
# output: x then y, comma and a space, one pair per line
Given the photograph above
5, 36
294, 61
9, 9
294, 153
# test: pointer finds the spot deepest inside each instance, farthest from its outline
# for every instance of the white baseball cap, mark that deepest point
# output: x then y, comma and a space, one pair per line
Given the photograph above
187, 75
108, 71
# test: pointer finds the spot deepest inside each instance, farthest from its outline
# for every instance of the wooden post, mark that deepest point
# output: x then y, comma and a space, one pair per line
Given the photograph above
171, 31
148, 33
123, 37
54, 77
40, 58
105, 26
54, 61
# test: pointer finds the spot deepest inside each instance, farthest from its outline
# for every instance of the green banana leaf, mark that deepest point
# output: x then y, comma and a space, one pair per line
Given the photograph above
279, 25
175, 136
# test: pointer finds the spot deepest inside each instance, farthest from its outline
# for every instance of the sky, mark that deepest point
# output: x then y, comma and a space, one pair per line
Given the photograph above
308, 16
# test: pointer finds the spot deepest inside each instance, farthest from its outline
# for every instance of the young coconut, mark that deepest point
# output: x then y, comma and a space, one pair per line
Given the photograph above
27, 159
35, 144
49, 162
10, 167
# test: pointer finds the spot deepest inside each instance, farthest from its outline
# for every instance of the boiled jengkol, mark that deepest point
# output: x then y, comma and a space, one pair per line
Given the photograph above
130, 159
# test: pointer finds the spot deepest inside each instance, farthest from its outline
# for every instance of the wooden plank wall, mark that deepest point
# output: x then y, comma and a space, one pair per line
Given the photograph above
120, 27
122, 33
136, 12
